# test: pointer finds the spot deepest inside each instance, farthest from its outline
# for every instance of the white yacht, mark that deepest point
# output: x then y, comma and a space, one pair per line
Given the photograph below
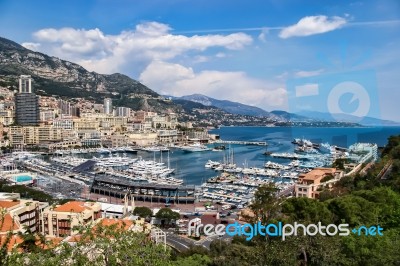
155, 149
195, 147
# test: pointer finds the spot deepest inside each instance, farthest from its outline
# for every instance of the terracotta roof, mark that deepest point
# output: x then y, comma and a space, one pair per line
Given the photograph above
52, 242
8, 203
74, 238
122, 224
8, 224
318, 173
72, 206
14, 241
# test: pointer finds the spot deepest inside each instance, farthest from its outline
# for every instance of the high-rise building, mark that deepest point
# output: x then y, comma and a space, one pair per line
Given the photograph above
26, 104
108, 108
25, 84
65, 107
75, 111
123, 111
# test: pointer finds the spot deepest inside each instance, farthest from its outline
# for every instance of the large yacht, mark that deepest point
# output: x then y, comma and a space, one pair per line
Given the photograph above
195, 147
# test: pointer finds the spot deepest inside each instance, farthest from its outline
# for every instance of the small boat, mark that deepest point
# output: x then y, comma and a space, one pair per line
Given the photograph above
219, 148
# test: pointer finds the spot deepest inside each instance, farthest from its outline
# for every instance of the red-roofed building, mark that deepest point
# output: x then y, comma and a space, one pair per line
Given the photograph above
309, 184
60, 220
17, 215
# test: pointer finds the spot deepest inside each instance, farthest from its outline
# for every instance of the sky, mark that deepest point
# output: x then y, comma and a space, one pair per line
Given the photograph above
328, 56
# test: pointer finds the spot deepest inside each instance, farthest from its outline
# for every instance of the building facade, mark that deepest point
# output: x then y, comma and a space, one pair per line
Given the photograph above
27, 111
312, 183
108, 108
20, 215
61, 220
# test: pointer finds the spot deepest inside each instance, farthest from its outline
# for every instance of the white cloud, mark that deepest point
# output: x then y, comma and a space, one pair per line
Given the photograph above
313, 25
310, 89
75, 41
31, 46
220, 55
152, 29
133, 48
303, 74
177, 80
200, 59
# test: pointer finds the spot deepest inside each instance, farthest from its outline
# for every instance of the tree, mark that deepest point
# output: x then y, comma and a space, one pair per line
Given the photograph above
339, 163
327, 178
143, 212
266, 203
353, 210
166, 215
367, 250
194, 260
102, 245
31, 242
306, 210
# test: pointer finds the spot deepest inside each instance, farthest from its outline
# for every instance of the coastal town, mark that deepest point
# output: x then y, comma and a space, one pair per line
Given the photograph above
199, 133
86, 153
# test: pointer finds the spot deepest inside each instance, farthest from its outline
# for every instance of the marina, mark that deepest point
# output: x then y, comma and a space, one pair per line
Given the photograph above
230, 176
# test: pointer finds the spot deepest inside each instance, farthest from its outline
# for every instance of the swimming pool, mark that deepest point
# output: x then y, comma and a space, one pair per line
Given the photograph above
23, 178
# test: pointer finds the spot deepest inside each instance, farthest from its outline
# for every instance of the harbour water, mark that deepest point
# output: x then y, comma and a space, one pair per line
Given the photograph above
190, 166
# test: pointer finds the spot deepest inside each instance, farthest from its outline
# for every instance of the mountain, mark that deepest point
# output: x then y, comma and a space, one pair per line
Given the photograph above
228, 106
290, 116
54, 76
365, 121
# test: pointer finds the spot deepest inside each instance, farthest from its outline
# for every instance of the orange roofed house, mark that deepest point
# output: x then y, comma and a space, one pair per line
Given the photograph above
310, 184
18, 215
60, 220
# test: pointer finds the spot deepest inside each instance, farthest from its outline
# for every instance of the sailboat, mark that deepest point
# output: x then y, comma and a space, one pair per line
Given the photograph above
267, 153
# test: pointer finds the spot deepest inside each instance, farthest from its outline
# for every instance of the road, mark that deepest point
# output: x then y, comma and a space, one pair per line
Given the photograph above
183, 243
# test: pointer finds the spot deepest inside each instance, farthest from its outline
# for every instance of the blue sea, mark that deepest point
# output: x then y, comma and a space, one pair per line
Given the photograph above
190, 166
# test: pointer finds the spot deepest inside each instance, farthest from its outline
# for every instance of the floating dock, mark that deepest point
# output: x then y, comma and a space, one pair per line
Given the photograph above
258, 143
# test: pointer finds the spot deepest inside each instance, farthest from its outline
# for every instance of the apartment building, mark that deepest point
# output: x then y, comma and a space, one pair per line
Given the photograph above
310, 184
6, 117
164, 121
47, 115
167, 136
143, 138
26, 103
119, 141
34, 135
60, 221
18, 215
63, 123
86, 125
123, 111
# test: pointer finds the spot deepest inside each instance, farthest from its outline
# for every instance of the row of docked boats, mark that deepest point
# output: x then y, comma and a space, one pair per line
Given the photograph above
194, 147
271, 169
239, 191
135, 169
96, 150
